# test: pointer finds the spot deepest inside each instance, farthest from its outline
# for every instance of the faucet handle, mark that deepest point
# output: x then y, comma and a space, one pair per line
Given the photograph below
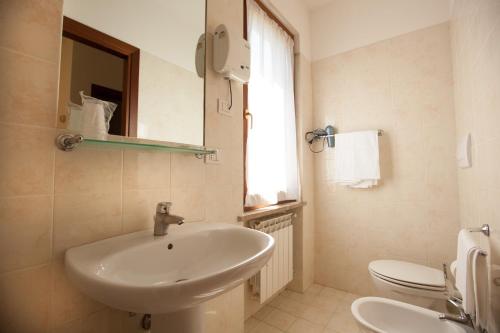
455, 301
163, 207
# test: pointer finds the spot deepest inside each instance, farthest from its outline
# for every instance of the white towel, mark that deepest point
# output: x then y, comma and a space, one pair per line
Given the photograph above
480, 280
467, 249
357, 159
92, 118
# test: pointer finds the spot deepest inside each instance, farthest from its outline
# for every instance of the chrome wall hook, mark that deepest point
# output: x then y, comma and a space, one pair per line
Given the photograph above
68, 141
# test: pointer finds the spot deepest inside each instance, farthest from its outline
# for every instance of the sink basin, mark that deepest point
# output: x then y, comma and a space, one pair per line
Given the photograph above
142, 273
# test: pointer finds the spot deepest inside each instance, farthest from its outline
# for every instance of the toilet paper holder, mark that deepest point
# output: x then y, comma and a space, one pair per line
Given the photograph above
485, 229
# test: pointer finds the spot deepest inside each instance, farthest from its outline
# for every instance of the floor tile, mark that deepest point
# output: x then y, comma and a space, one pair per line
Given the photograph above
280, 319
250, 324
343, 321
317, 315
265, 328
263, 313
319, 309
304, 326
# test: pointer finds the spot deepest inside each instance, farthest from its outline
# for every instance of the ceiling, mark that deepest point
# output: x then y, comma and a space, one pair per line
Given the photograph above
313, 4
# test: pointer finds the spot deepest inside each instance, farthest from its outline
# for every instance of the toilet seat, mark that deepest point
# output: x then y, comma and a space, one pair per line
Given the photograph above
408, 274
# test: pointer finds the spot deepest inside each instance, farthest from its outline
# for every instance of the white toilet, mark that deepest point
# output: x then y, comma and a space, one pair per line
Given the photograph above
410, 283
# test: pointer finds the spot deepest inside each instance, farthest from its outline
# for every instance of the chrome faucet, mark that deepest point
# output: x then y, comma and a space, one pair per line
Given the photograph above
163, 219
462, 318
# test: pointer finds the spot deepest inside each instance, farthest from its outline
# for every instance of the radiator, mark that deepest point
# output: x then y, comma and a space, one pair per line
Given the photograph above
278, 271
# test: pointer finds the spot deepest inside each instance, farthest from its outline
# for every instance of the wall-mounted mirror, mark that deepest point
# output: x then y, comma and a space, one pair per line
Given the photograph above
133, 68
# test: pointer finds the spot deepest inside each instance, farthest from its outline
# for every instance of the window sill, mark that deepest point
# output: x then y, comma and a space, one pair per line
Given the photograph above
270, 210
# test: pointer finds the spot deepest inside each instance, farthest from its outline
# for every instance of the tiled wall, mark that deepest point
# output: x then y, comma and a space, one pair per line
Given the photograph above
52, 200
403, 86
475, 31
303, 103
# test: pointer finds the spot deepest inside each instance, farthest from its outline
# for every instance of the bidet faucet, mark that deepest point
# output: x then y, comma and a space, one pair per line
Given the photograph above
163, 219
462, 318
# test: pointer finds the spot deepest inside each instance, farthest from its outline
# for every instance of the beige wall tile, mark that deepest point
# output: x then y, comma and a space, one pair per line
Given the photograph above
25, 300
403, 86
187, 170
304, 229
139, 207
88, 170
189, 202
84, 218
475, 31
32, 27
68, 303
146, 170
29, 89
27, 160
99, 192
25, 232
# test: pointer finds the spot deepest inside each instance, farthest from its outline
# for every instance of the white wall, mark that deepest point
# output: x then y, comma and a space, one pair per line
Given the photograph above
344, 25
170, 102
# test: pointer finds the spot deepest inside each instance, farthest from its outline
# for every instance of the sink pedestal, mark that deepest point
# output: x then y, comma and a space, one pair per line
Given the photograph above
189, 320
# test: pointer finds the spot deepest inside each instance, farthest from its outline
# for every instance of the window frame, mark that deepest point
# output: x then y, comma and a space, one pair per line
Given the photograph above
245, 103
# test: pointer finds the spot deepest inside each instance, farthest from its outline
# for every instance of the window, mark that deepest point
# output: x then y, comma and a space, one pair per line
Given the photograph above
270, 136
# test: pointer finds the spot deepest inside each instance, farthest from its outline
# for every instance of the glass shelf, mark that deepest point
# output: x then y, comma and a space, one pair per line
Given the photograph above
127, 143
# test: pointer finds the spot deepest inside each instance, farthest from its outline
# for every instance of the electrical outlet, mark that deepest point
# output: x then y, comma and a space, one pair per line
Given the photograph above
223, 107
214, 158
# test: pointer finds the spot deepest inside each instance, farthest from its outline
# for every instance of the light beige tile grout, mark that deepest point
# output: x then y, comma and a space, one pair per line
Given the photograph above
8, 49
29, 268
122, 176
9, 123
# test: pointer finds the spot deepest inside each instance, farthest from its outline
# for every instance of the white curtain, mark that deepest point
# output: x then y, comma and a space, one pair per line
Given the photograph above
272, 172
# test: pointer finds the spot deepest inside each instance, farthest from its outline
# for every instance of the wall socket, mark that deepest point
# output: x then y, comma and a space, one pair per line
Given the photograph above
214, 158
223, 107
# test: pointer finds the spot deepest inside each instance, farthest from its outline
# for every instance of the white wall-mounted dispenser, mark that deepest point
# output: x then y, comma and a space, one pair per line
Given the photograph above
464, 154
231, 55
200, 56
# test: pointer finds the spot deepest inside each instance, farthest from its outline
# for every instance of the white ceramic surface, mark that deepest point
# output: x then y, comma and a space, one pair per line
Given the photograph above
408, 272
381, 315
420, 297
139, 273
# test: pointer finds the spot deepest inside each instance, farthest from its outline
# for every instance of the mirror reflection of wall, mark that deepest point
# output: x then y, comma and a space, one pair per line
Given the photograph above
169, 94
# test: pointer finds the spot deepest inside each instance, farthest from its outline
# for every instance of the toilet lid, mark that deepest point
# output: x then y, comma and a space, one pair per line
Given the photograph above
408, 272
408, 284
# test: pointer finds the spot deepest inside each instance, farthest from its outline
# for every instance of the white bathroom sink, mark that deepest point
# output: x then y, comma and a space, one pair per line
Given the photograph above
142, 273
382, 315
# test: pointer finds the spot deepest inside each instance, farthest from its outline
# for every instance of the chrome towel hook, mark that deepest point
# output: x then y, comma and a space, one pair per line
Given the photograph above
485, 229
